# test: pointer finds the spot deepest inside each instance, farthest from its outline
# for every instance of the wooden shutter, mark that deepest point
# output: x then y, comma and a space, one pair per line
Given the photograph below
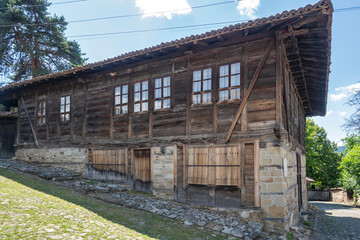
219, 166
109, 160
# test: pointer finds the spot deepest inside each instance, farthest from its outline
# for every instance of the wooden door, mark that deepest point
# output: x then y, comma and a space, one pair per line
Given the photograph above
142, 170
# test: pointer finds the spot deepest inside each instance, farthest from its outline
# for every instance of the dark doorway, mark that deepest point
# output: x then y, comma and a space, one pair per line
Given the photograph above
298, 164
7, 135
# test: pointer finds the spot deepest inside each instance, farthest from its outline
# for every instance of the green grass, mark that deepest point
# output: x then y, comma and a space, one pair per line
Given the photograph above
307, 223
290, 236
31, 208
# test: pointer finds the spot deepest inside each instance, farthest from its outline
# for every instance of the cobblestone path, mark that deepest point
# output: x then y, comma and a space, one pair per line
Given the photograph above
336, 221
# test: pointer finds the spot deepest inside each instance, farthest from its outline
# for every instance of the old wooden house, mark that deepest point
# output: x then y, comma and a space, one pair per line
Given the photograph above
214, 119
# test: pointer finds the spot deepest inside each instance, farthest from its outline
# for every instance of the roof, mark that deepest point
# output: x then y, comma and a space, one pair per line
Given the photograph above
321, 6
309, 180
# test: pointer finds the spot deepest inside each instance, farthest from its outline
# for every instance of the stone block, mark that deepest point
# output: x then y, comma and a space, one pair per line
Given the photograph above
275, 187
276, 212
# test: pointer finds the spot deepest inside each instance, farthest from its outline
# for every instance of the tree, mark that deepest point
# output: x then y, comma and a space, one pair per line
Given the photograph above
350, 170
353, 123
322, 160
351, 141
33, 42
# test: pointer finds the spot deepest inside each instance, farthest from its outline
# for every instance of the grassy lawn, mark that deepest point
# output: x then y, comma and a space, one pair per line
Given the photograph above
31, 208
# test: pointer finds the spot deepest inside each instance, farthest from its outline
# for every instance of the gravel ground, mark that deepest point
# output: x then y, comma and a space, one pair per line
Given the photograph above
336, 221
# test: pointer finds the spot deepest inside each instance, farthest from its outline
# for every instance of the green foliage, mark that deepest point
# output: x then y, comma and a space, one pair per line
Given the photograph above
33, 42
351, 141
306, 223
290, 236
350, 170
322, 161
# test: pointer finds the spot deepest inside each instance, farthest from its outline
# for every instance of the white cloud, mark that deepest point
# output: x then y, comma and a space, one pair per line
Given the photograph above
339, 143
337, 97
344, 92
342, 113
350, 89
329, 113
248, 7
163, 8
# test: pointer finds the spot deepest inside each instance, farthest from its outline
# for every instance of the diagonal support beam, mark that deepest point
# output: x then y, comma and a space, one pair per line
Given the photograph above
31, 125
251, 86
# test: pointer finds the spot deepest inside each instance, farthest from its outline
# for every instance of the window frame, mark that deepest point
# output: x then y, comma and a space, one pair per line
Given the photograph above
40, 114
121, 104
64, 113
162, 98
202, 91
141, 101
229, 88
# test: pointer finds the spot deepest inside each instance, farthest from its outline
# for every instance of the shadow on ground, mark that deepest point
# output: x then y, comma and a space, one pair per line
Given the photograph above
143, 222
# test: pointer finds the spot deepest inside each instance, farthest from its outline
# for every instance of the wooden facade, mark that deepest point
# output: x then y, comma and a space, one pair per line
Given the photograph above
220, 100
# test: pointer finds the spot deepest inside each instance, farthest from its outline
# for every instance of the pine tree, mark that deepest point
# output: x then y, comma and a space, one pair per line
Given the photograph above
32, 41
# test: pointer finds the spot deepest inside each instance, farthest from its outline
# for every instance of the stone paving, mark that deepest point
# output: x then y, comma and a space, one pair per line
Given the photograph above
234, 222
336, 221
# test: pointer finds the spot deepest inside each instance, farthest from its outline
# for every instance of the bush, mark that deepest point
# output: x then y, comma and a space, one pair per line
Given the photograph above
350, 170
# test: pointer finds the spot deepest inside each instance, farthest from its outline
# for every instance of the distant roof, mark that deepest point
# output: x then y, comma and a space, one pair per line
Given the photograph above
282, 18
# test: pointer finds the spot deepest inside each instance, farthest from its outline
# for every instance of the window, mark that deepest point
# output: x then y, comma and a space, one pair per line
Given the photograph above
65, 108
141, 96
202, 86
121, 99
41, 112
162, 93
229, 82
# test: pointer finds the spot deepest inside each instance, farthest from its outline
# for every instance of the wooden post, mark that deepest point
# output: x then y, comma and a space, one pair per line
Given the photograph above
112, 107
256, 174
278, 114
132, 169
84, 113
126, 162
18, 124
244, 83
185, 159
248, 92
243, 192
151, 164
189, 100
47, 113
285, 83
31, 125
175, 165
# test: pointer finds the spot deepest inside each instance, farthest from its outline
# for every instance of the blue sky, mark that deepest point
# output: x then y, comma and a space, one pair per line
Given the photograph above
344, 77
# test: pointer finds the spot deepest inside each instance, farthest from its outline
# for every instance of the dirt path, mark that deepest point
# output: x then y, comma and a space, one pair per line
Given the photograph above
336, 221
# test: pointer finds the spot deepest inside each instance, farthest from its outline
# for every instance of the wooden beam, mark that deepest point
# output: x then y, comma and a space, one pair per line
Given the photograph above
251, 86
296, 33
31, 125
278, 57
285, 87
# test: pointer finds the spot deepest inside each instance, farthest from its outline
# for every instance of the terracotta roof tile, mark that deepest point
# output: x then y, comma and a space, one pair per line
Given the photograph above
240, 26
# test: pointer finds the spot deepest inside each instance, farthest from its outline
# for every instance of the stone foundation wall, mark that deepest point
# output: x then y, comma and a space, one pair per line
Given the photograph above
72, 159
163, 171
278, 186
